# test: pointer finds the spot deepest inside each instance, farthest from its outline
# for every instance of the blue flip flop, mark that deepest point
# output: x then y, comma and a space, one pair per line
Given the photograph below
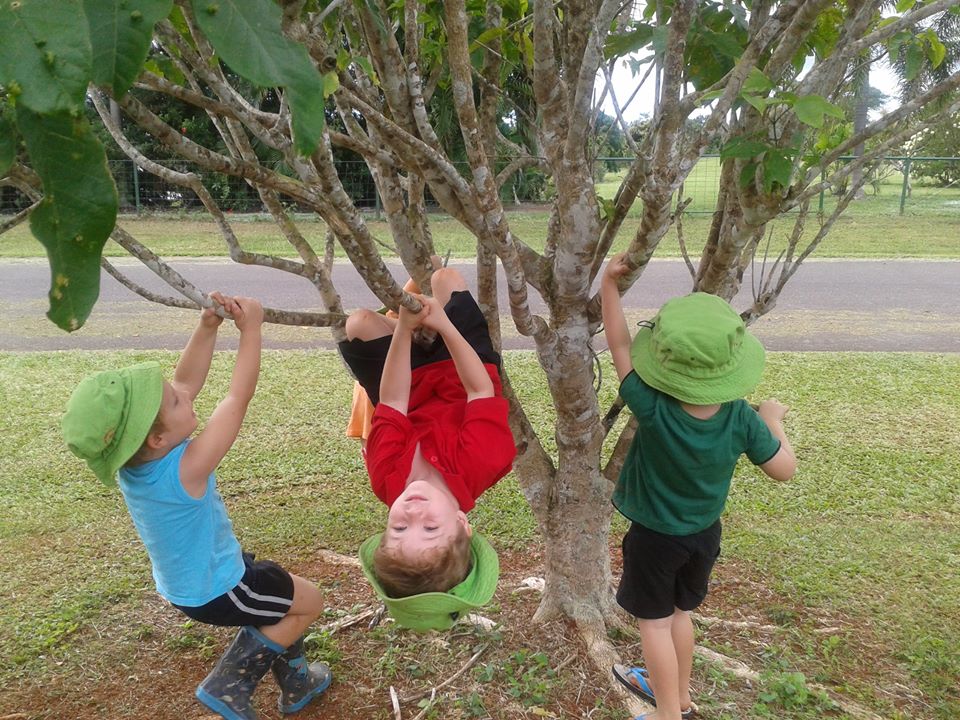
636, 680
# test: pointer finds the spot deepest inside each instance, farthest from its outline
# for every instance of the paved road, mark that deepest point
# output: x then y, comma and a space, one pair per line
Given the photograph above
828, 305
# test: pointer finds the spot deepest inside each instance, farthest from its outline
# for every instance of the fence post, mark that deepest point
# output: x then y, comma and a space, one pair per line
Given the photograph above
376, 204
906, 184
136, 186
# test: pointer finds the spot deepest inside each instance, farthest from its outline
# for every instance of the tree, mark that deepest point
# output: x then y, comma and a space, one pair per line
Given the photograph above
517, 82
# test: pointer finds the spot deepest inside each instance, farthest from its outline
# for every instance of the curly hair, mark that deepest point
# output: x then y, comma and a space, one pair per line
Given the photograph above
434, 570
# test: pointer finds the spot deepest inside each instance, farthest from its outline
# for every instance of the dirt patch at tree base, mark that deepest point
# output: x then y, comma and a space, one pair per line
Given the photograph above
148, 665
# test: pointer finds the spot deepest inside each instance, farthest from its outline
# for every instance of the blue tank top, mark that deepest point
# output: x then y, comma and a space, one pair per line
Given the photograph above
194, 553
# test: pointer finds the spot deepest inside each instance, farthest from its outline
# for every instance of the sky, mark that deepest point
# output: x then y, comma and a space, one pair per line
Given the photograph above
881, 77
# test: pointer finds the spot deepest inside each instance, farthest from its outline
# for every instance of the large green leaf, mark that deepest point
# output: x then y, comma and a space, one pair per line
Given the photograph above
247, 35
810, 110
120, 34
777, 169
45, 53
78, 211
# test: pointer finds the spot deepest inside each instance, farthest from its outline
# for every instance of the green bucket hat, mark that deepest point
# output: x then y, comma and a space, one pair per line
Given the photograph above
439, 610
109, 416
698, 350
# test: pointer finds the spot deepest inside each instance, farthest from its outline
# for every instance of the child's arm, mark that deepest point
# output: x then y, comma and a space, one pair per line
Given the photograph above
395, 380
614, 323
207, 450
469, 366
783, 465
194, 363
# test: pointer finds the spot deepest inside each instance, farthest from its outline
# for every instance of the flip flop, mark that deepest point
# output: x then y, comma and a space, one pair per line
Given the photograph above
627, 675
636, 680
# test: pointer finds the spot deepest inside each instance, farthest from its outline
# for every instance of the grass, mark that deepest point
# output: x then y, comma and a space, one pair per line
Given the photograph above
871, 228
869, 529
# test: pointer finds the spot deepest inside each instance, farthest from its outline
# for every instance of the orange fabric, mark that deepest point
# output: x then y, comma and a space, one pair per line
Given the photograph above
361, 414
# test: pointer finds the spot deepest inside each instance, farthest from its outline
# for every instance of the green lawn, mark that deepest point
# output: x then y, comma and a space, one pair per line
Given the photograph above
869, 529
871, 228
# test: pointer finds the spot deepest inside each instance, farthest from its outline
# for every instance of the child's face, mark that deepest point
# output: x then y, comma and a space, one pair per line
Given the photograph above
423, 518
176, 414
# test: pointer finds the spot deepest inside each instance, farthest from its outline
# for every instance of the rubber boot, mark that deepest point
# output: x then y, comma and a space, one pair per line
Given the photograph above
228, 688
299, 681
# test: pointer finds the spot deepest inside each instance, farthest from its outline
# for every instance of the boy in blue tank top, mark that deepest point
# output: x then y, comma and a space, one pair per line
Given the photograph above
133, 424
683, 377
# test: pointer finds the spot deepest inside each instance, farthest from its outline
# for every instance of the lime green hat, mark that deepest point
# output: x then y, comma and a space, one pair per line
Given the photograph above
109, 416
698, 350
439, 610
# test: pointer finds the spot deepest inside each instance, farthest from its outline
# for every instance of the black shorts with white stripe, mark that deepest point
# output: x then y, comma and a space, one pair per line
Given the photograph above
262, 597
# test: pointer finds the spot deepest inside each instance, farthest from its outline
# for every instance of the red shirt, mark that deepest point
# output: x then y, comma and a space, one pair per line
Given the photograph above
470, 443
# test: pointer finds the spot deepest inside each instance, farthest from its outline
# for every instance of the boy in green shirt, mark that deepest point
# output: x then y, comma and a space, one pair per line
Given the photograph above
683, 377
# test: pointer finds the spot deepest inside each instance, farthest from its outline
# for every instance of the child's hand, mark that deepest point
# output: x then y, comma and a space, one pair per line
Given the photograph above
772, 410
410, 320
208, 316
435, 319
616, 268
248, 314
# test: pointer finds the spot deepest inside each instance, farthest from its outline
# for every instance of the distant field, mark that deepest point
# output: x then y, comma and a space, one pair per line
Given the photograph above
871, 229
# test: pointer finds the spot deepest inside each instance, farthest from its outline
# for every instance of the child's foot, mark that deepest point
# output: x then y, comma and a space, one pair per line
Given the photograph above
637, 681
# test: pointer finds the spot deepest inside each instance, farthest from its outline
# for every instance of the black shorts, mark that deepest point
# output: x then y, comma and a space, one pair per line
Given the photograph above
365, 358
262, 597
665, 572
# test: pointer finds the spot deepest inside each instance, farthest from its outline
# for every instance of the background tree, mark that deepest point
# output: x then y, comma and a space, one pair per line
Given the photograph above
505, 87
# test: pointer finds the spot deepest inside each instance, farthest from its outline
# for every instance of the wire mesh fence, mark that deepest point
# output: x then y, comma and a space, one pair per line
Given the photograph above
900, 185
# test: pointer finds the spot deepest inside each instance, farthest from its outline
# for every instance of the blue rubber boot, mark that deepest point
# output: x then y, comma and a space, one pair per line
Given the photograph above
299, 681
228, 688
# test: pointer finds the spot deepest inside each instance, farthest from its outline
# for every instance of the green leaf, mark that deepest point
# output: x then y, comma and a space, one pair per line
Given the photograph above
748, 173
78, 211
120, 33
45, 56
8, 145
248, 36
726, 44
742, 148
367, 67
777, 169
710, 97
485, 37
620, 44
904, 5
936, 50
757, 83
913, 61
756, 101
330, 83
810, 110
165, 68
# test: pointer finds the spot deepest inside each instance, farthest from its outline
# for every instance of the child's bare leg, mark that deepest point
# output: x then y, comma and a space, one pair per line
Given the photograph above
660, 657
366, 324
307, 606
445, 282
681, 630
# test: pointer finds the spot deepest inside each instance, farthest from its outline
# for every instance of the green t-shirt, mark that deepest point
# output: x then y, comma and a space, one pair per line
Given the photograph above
677, 472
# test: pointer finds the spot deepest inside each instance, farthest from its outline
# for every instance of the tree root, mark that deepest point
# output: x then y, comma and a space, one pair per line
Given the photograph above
604, 656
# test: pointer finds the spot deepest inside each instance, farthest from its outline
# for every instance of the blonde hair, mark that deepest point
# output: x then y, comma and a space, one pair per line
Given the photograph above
141, 455
434, 570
